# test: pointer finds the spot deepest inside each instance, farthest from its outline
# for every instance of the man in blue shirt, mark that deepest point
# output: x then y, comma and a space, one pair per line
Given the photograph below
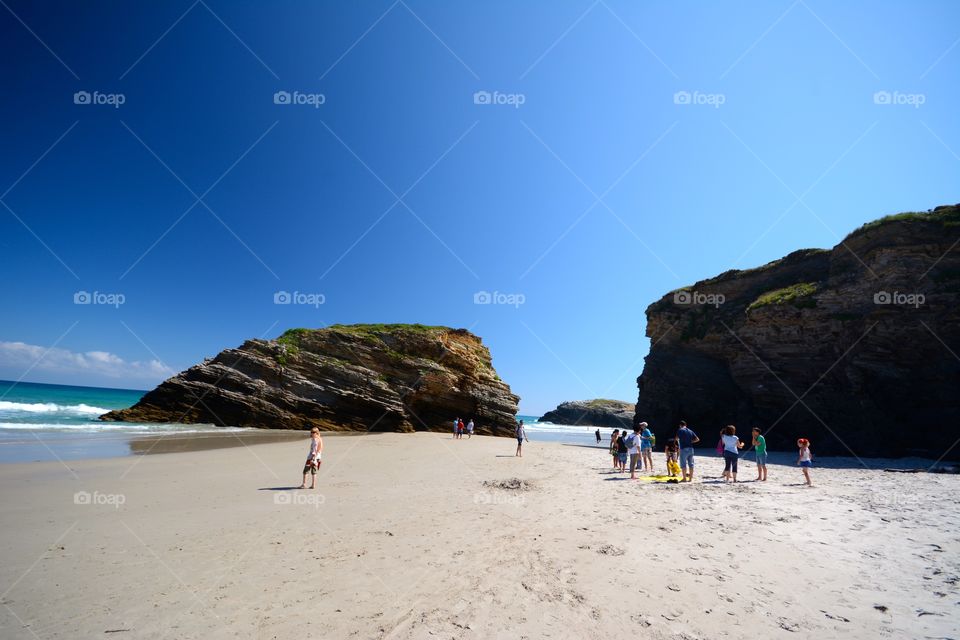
686, 438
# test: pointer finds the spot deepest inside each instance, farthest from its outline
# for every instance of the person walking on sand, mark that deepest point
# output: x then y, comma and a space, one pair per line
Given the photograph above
633, 449
613, 447
470, 429
456, 425
760, 447
731, 452
521, 436
460, 429
313, 459
805, 459
686, 438
646, 447
598, 436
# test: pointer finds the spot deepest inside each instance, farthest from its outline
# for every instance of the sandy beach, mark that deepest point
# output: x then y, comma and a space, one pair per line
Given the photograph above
421, 536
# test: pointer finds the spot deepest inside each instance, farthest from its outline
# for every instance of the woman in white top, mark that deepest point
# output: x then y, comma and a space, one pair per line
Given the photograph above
731, 452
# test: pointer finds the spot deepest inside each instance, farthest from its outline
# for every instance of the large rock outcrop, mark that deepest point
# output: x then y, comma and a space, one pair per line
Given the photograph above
615, 414
856, 348
341, 378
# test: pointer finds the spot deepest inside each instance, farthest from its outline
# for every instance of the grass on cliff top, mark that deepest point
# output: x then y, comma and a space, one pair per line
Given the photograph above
947, 216
602, 403
293, 336
371, 329
797, 294
736, 273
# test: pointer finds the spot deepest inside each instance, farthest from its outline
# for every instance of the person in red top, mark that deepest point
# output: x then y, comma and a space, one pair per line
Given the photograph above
460, 428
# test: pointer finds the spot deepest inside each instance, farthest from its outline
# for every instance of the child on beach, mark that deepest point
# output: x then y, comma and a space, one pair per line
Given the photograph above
613, 448
672, 453
313, 459
805, 459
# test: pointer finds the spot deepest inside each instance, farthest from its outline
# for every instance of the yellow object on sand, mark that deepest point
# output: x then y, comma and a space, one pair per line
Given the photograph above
658, 478
673, 468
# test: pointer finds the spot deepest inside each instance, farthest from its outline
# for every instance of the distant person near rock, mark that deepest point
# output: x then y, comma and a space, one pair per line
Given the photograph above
598, 436
760, 448
686, 438
805, 459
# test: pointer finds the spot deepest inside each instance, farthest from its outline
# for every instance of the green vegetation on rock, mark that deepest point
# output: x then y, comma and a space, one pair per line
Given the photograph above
796, 294
947, 216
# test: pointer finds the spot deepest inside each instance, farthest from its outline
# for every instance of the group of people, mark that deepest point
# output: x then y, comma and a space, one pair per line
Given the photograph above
637, 449
459, 428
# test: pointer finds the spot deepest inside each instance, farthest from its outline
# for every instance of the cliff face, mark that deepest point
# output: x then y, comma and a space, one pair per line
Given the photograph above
341, 378
856, 348
615, 414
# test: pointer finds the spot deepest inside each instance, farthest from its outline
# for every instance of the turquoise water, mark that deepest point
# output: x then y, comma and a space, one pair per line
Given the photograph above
52, 421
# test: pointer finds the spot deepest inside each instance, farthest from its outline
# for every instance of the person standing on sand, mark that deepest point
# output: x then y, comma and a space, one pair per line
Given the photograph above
613, 447
686, 438
760, 447
805, 459
470, 429
633, 449
731, 452
456, 424
521, 436
598, 436
313, 459
460, 428
622, 449
646, 447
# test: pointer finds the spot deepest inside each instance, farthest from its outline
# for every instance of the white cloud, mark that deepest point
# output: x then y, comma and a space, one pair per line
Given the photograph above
22, 356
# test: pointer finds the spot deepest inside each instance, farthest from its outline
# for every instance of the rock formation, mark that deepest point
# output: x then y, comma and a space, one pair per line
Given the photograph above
856, 348
599, 413
341, 378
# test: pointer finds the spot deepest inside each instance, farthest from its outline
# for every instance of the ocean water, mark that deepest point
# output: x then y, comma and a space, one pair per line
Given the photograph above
51, 421
567, 434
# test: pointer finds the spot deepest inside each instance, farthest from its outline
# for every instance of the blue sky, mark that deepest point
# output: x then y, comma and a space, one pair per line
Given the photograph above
627, 149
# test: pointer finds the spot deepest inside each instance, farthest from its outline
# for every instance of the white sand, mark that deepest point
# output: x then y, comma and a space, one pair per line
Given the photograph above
403, 540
